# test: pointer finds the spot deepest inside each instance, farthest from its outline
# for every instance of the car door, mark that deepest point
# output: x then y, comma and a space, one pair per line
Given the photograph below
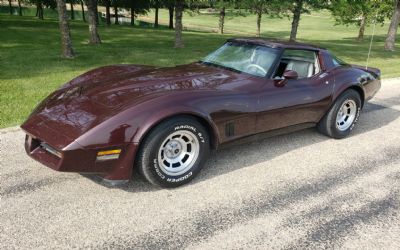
297, 101
236, 108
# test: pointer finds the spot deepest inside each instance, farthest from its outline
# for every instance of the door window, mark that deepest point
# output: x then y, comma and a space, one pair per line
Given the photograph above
304, 62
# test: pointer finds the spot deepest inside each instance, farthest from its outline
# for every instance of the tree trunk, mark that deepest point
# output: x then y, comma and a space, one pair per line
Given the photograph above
259, 15
40, 11
96, 12
10, 7
394, 24
221, 20
19, 8
171, 17
296, 20
66, 43
94, 37
37, 10
108, 15
116, 13
178, 24
132, 16
362, 28
72, 11
156, 14
83, 12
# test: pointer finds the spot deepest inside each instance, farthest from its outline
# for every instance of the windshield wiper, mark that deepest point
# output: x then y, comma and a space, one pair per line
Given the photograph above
220, 66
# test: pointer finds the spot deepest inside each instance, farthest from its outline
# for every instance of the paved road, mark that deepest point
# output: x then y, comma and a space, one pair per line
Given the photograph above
293, 191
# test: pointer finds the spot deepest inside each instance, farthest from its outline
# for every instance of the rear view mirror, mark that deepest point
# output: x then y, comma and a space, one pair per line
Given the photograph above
287, 75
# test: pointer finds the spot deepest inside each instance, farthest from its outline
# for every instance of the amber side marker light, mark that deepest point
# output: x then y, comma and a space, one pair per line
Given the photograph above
108, 154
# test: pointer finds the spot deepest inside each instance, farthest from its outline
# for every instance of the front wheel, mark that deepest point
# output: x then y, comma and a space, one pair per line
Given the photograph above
174, 152
343, 115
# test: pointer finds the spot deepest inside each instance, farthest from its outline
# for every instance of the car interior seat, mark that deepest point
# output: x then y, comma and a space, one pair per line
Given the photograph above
303, 68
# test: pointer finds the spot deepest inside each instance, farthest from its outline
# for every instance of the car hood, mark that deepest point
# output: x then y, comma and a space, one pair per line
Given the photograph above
100, 94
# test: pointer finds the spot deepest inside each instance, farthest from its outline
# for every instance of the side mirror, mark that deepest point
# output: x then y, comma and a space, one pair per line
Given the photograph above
287, 75
290, 74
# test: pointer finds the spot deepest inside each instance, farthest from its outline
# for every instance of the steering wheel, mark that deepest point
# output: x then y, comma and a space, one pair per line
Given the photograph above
258, 67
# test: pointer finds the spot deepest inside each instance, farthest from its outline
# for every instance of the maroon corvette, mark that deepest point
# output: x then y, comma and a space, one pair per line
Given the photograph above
165, 121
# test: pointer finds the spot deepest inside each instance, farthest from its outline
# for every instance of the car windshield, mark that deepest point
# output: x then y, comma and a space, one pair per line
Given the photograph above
248, 58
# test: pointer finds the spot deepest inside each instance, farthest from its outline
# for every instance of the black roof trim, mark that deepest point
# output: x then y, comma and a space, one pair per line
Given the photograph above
275, 43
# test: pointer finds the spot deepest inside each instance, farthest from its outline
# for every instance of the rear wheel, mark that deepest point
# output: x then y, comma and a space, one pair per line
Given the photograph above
343, 115
174, 152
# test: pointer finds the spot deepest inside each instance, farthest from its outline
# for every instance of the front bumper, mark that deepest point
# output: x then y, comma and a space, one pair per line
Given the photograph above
83, 160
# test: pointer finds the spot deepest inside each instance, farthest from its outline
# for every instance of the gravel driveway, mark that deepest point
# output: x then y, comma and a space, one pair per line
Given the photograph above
299, 190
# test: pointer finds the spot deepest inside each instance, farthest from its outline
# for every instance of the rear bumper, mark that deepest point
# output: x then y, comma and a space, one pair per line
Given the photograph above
83, 160
371, 88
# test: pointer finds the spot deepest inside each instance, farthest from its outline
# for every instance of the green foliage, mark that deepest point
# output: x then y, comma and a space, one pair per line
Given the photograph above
306, 6
352, 11
262, 6
52, 4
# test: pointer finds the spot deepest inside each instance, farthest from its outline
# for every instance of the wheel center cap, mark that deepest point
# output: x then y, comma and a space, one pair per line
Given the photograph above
173, 149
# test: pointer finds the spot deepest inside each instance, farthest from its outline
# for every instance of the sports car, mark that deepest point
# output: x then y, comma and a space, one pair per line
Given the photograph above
164, 121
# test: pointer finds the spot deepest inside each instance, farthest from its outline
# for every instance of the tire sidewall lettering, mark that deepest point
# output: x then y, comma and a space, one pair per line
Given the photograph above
190, 173
157, 169
182, 178
356, 119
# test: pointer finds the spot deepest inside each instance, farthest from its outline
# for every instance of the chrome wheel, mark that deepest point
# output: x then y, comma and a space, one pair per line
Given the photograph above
178, 152
346, 115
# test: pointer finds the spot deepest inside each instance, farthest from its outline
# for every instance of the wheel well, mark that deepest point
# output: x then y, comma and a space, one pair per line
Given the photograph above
203, 121
360, 92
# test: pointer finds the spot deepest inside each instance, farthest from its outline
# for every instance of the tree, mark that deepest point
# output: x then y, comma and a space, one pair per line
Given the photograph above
221, 20
107, 4
19, 8
170, 5
171, 17
358, 12
71, 3
10, 7
179, 5
96, 12
260, 7
40, 4
138, 7
83, 11
296, 8
394, 24
115, 5
94, 37
156, 7
66, 43
222, 5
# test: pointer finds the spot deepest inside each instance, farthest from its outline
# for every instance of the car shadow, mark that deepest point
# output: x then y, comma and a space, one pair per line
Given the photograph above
242, 155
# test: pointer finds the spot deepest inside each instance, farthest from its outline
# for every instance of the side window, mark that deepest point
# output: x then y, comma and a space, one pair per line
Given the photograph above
304, 62
337, 62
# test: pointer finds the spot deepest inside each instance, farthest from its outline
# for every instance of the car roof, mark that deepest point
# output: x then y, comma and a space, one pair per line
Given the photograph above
275, 43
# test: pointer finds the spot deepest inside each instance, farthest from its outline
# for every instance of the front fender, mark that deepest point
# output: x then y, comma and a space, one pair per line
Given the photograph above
162, 115
132, 124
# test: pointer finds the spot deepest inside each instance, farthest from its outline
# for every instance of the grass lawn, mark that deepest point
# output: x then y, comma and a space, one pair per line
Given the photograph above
31, 66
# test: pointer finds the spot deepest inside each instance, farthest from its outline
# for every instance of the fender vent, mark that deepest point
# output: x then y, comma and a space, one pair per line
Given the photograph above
229, 129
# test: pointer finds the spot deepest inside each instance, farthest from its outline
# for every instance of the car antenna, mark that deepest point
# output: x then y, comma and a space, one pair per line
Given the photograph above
372, 39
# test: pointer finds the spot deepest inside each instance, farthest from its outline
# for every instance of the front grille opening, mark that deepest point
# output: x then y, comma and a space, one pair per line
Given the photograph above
50, 149
32, 143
